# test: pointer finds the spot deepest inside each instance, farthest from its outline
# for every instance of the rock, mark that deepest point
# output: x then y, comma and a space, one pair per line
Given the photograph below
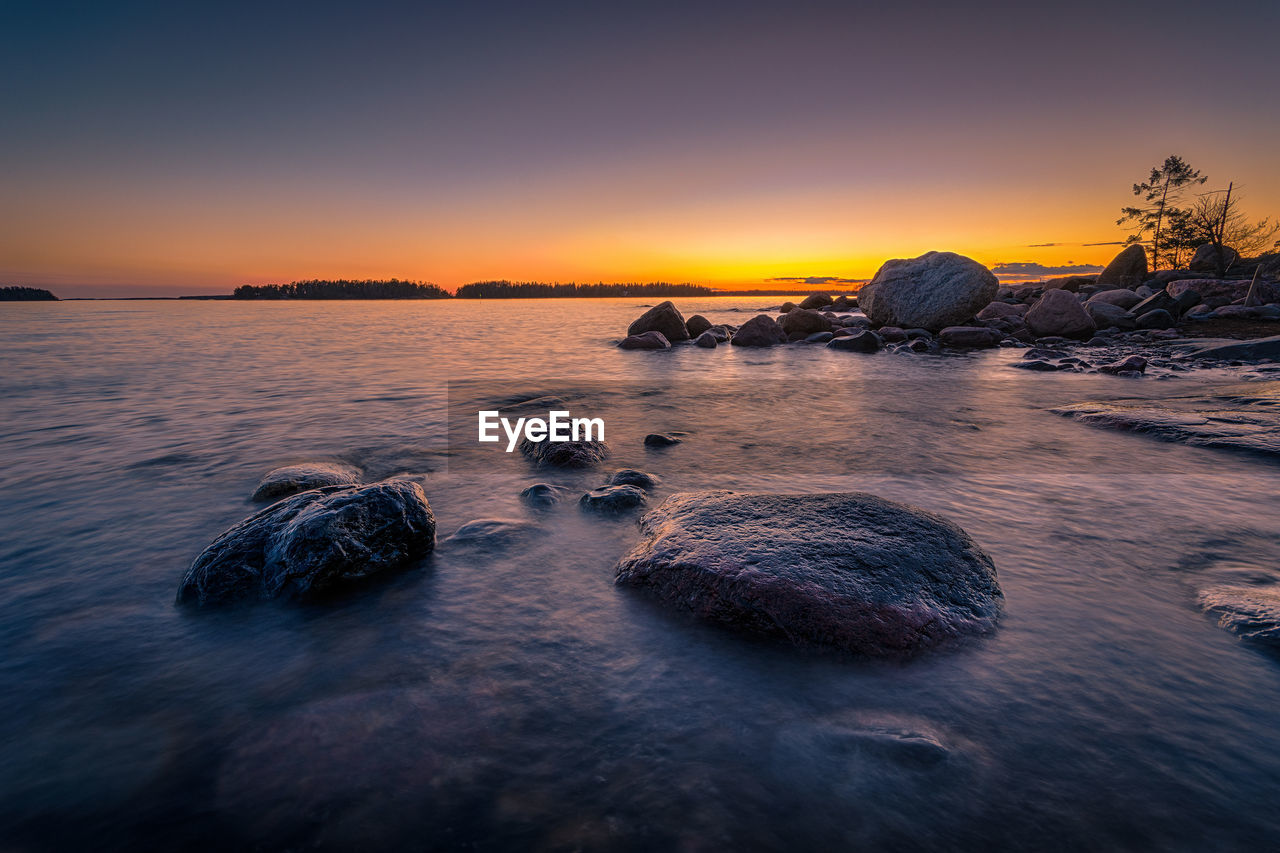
1119, 297
1133, 363
292, 479
842, 303
1041, 366
1072, 283
1144, 291
610, 500
314, 543
1238, 418
660, 439
1258, 349
645, 340
1127, 269
804, 322
969, 337
632, 477
819, 337
816, 300
1216, 292
1002, 310
892, 334
492, 533
564, 454
662, 318
933, 291
1250, 611
1059, 313
848, 570
858, 342
543, 494
706, 340
721, 333
1157, 319
1206, 258
760, 331
788, 306
1158, 301
1105, 315
696, 325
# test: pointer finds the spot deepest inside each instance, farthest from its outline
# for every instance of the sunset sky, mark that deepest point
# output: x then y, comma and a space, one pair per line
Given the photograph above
175, 148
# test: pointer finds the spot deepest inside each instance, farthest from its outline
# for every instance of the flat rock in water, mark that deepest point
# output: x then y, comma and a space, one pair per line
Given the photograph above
848, 570
660, 439
543, 494
1259, 349
314, 543
632, 477
292, 479
492, 532
609, 500
1243, 417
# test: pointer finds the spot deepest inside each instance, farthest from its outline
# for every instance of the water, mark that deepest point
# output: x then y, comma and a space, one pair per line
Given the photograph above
517, 699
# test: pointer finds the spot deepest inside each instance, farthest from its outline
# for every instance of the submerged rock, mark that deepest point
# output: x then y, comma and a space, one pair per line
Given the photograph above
543, 494
760, 331
848, 570
969, 337
1259, 349
613, 499
292, 479
933, 291
1129, 364
706, 340
1251, 612
632, 477
314, 543
1241, 418
492, 533
564, 454
660, 439
857, 342
663, 318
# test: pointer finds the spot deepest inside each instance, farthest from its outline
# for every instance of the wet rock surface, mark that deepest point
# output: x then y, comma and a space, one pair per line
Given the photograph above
487, 533
847, 570
933, 291
313, 544
564, 454
663, 318
611, 500
1242, 417
292, 479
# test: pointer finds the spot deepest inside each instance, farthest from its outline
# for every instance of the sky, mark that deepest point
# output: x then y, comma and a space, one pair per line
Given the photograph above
184, 148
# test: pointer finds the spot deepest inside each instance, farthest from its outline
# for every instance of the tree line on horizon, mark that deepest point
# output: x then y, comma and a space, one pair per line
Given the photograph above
342, 289
1171, 222
542, 290
16, 293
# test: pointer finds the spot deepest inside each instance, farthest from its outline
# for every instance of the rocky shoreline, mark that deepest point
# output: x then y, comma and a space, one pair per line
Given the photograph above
1119, 321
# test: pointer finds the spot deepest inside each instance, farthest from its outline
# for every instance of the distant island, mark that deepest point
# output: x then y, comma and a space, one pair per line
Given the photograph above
342, 289
542, 290
26, 294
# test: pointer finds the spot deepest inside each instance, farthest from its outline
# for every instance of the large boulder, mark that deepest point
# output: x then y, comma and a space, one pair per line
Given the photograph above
760, 331
1206, 258
1059, 314
1106, 315
313, 544
848, 570
1127, 269
803, 321
292, 479
661, 318
933, 291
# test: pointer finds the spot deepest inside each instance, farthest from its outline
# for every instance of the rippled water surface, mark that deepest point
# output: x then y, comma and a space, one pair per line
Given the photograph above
517, 699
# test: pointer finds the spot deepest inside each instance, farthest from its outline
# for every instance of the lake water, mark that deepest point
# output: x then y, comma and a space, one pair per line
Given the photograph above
517, 698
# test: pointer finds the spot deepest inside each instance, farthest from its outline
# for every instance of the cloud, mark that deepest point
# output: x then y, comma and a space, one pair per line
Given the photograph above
1030, 269
1111, 243
1040, 245
817, 279
1048, 245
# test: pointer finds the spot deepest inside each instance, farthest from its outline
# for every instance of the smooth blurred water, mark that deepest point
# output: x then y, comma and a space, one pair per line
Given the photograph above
517, 699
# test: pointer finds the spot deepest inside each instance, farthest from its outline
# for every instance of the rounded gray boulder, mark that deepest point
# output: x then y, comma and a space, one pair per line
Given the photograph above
848, 570
663, 318
933, 291
292, 479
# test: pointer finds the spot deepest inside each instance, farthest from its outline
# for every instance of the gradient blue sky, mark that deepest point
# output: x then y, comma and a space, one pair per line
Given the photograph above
188, 147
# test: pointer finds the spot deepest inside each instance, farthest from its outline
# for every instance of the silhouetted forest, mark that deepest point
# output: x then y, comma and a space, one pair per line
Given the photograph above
540, 290
342, 289
26, 294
